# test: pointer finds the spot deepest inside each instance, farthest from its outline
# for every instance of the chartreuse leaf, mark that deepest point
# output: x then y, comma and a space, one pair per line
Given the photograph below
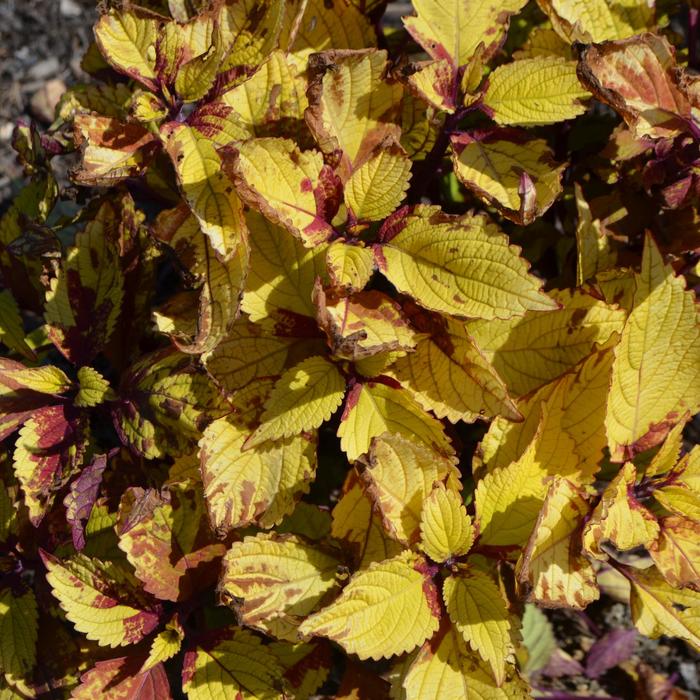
374, 408
453, 29
639, 79
121, 678
93, 389
220, 281
102, 599
341, 116
276, 576
620, 518
552, 567
359, 527
206, 188
18, 633
84, 300
399, 476
128, 42
259, 485
11, 325
166, 540
570, 414
445, 667
659, 609
349, 266
388, 609
679, 500
529, 351
593, 251
449, 375
676, 552
237, 665
445, 528
165, 644
45, 379
377, 187
292, 188
458, 265
165, 402
597, 20
538, 639
303, 398
656, 373
667, 456
363, 324
509, 170
477, 609
248, 352
535, 91
509, 499
282, 274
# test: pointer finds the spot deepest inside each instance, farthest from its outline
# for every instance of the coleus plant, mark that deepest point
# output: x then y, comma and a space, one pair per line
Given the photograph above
284, 410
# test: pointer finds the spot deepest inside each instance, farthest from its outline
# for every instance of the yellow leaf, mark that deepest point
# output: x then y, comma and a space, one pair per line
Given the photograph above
667, 456
530, 351
363, 324
420, 126
509, 499
282, 273
94, 388
552, 567
445, 528
303, 398
638, 77
323, 27
434, 82
449, 375
349, 266
659, 609
165, 644
676, 552
341, 115
445, 667
574, 409
543, 41
377, 187
18, 633
292, 188
128, 42
593, 253
452, 29
509, 170
589, 21
386, 610
358, 526
236, 665
103, 600
679, 500
656, 373
535, 91
207, 190
260, 485
373, 408
620, 518
458, 265
399, 475
477, 609
276, 576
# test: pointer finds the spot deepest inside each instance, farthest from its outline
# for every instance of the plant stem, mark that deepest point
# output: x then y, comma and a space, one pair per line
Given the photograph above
693, 17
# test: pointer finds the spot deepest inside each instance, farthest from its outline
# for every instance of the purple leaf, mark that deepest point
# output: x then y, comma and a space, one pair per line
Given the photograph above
561, 664
609, 651
80, 500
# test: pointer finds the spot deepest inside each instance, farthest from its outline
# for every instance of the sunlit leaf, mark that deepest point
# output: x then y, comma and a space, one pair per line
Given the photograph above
445, 528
